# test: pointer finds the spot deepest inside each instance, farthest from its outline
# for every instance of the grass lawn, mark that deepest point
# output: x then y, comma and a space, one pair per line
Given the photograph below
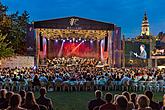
79, 100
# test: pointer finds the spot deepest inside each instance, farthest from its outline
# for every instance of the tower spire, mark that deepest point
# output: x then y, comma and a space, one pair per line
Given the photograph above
145, 30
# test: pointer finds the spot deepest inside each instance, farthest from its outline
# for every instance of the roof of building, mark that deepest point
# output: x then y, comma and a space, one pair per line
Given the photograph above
74, 22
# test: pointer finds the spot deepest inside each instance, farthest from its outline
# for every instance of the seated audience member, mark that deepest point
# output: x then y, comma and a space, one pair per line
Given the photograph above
96, 102
143, 103
23, 94
130, 104
6, 103
15, 103
115, 96
109, 105
43, 100
121, 102
133, 99
3, 95
30, 102
153, 105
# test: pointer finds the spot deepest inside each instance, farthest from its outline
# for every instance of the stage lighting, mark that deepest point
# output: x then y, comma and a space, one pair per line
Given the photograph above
63, 40
79, 39
91, 41
73, 39
76, 40
70, 41
56, 40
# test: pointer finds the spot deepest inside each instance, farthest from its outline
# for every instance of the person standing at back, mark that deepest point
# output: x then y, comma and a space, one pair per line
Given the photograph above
43, 100
153, 105
96, 102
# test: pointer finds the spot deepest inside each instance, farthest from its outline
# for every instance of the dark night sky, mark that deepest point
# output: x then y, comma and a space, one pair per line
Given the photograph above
127, 14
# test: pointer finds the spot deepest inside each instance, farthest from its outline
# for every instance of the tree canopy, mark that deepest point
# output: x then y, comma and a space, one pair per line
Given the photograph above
5, 50
13, 27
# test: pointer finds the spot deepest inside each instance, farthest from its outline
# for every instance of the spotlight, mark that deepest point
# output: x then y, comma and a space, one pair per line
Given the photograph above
70, 40
63, 40
79, 39
73, 39
56, 40
91, 41
76, 40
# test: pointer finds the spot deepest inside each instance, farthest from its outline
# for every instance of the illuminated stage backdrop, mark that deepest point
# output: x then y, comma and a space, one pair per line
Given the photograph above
83, 49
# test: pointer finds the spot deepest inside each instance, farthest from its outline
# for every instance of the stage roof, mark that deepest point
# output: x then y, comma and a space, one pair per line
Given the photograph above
73, 22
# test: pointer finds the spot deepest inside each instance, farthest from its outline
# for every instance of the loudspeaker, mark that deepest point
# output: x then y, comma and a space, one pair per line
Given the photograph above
106, 44
41, 41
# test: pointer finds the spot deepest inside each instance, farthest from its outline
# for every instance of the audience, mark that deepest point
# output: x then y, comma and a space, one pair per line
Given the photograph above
23, 95
143, 102
6, 102
133, 99
3, 95
121, 102
15, 103
153, 105
43, 100
80, 74
130, 104
95, 103
30, 102
109, 105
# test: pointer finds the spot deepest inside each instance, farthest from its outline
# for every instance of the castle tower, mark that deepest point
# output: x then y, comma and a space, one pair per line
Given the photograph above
145, 30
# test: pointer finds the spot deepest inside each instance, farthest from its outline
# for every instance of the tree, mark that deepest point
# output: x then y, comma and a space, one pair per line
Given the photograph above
18, 31
5, 49
14, 27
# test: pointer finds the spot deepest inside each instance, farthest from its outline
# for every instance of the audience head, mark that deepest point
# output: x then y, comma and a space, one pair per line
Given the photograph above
3, 93
149, 94
22, 93
143, 101
127, 95
122, 102
98, 94
30, 98
15, 101
133, 96
42, 91
9, 95
108, 97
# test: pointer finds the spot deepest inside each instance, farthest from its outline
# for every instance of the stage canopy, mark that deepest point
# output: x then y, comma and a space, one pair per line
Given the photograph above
73, 27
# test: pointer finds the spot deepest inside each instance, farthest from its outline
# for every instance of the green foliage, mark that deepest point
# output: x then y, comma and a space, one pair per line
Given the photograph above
14, 26
5, 50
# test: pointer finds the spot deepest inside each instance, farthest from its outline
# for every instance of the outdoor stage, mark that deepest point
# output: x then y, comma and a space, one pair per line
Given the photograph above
79, 37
